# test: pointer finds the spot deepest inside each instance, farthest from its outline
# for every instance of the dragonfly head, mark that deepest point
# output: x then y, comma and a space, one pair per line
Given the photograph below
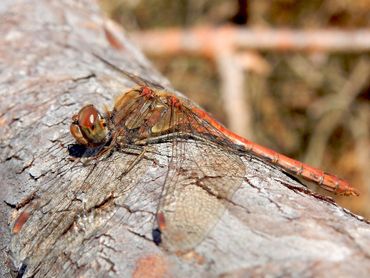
88, 127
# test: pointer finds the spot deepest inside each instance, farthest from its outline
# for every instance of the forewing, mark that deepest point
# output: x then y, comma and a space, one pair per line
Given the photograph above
133, 77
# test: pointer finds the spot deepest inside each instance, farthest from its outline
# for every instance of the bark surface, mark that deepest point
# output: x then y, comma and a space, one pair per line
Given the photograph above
60, 218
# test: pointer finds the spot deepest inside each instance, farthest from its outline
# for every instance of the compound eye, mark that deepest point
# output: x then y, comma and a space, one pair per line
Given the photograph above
91, 126
88, 117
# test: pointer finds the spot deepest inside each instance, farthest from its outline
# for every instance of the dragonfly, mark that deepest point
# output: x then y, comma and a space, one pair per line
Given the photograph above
205, 167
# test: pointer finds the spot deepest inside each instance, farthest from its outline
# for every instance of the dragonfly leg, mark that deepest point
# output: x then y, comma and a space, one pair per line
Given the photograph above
133, 163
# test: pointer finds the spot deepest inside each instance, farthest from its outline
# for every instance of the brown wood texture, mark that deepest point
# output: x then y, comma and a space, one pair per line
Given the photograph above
57, 222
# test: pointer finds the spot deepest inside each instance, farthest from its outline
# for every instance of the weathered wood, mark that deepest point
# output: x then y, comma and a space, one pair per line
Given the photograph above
47, 72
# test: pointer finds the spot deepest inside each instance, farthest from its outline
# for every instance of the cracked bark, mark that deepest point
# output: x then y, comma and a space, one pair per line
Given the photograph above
68, 227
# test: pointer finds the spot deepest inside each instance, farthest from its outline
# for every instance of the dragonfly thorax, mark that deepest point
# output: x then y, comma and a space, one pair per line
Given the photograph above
89, 127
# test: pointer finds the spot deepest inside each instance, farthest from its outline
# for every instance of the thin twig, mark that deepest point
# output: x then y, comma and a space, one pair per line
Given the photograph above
203, 40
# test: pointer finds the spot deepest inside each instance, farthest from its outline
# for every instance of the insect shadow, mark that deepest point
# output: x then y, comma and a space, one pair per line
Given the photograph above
80, 151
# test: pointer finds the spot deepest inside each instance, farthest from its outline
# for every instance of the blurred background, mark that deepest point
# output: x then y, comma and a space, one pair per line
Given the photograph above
308, 102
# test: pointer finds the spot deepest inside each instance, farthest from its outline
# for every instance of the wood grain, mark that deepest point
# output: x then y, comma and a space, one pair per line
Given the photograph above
100, 224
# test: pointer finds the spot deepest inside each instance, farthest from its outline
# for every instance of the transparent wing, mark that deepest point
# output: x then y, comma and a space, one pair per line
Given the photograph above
193, 200
137, 79
68, 197
202, 177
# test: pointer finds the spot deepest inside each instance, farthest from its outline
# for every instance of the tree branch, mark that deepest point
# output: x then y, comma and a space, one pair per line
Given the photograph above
61, 217
206, 40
